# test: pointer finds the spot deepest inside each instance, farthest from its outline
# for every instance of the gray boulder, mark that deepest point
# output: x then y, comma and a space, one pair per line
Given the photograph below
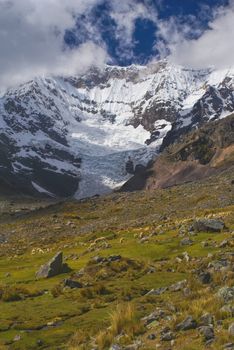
53, 268
188, 323
186, 241
206, 320
71, 283
167, 335
229, 346
208, 225
157, 315
207, 332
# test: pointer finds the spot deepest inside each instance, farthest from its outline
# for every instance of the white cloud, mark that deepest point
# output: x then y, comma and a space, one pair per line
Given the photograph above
32, 36
32, 39
125, 13
215, 47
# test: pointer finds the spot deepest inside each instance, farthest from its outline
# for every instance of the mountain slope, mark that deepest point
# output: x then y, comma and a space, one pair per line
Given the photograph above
73, 136
198, 154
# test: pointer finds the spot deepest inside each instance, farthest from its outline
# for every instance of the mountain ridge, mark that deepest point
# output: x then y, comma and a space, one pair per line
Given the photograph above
203, 152
73, 136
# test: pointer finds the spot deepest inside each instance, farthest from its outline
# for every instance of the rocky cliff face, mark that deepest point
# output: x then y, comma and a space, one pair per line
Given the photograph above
72, 136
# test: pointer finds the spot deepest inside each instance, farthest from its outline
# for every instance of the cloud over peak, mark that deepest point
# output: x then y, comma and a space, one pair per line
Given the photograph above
32, 39
212, 48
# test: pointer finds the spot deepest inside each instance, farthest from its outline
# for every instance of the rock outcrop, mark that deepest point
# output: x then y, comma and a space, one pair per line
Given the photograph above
53, 268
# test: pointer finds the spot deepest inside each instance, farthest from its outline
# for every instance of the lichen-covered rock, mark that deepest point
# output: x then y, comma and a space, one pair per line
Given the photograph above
226, 293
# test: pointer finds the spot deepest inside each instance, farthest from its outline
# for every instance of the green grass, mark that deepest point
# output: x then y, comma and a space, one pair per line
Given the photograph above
122, 219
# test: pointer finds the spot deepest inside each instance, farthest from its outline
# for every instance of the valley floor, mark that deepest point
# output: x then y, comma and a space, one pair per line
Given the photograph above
138, 264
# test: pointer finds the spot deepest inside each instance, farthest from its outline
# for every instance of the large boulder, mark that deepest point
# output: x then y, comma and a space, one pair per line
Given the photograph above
53, 268
208, 225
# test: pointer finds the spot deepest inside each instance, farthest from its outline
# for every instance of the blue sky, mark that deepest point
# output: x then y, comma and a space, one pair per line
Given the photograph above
196, 13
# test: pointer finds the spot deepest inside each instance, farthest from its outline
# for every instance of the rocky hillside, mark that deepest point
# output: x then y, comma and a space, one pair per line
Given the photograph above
201, 153
145, 270
72, 136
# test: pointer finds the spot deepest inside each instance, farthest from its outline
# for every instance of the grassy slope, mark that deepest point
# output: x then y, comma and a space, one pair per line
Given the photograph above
122, 219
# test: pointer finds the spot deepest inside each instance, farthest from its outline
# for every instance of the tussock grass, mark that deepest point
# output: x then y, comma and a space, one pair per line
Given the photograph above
78, 341
123, 321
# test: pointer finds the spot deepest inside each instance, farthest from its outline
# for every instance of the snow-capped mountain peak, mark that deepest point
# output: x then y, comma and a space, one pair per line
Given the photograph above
74, 135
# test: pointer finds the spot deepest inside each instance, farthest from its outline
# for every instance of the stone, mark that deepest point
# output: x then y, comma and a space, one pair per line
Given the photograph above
188, 323
218, 265
231, 329
167, 336
228, 309
187, 292
186, 257
154, 316
144, 240
208, 225
115, 347
151, 270
112, 258
53, 268
17, 338
207, 319
158, 291
224, 244
39, 342
205, 277
98, 259
178, 260
152, 336
207, 332
226, 293
71, 283
178, 286
186, 241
